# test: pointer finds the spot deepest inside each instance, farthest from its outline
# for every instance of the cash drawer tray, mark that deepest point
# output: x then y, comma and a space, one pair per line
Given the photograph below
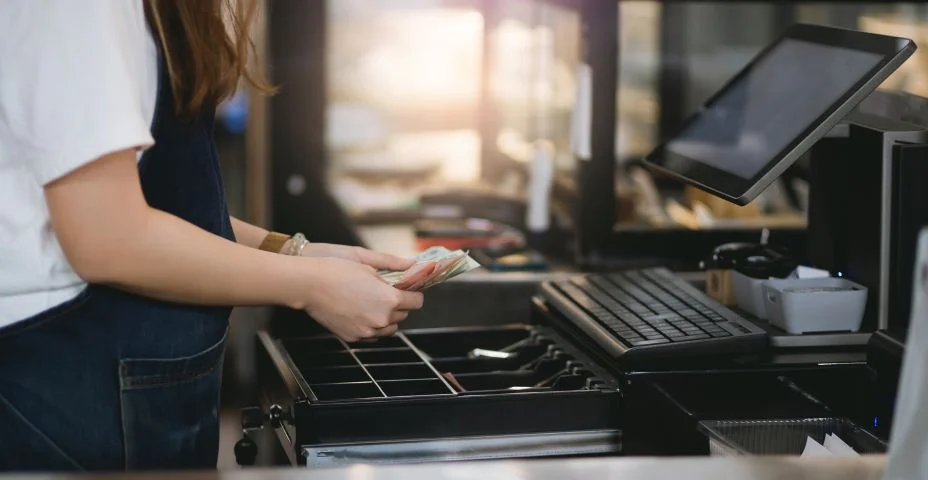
471, 386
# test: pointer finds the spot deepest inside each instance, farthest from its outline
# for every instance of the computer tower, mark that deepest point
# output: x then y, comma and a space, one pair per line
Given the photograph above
868, 200
910, 196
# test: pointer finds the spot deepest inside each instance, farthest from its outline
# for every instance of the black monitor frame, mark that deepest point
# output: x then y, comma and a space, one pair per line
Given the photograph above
741, 191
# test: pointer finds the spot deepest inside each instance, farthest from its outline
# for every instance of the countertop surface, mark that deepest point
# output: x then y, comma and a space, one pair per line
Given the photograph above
742, 468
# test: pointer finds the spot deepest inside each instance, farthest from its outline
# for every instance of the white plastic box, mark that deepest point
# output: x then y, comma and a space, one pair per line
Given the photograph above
815, 304
749, 294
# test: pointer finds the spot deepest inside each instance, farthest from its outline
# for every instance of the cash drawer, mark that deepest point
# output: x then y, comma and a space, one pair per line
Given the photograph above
438, 394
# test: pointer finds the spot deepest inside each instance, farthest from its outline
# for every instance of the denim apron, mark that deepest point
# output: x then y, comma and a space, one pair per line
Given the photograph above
114, 381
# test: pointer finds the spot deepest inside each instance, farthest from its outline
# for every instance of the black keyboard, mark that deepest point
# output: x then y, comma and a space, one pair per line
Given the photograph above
652, 313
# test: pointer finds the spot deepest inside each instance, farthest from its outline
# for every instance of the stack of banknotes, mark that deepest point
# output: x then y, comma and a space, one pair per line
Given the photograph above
432, 267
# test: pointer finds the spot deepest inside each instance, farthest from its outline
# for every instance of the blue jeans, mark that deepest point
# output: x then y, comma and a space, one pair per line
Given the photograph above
82, 388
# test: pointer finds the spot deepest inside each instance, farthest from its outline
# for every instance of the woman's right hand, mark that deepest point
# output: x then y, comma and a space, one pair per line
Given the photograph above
351, 301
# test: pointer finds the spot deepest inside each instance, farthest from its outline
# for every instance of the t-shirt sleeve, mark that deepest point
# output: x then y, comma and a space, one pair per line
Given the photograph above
71, 86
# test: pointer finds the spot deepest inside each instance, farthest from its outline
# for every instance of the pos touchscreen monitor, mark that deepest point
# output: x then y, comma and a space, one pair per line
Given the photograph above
776, 108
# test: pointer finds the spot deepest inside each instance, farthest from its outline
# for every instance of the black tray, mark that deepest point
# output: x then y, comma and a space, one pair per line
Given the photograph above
426, 384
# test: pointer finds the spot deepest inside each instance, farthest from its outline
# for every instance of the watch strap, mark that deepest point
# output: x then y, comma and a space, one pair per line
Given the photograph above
274, 242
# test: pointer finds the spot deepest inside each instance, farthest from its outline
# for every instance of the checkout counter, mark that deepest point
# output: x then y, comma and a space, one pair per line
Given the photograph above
542, 373
627, 469
538, 387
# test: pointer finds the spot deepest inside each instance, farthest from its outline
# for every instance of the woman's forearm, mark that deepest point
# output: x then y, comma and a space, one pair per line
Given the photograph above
247, 234
215, 271
110, 235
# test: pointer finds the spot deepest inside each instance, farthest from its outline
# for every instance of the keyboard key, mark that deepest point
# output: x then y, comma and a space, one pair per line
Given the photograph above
643, 343
732, 327
681, 339
625, 332
740, 328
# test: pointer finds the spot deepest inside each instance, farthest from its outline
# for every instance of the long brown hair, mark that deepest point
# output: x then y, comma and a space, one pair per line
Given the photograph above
207, 47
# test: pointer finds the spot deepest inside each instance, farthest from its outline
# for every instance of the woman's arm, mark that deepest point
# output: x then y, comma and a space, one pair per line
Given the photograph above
252, 236
111, 236
126, 243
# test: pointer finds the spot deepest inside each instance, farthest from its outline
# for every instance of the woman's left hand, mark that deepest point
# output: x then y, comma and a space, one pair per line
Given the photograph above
376, 260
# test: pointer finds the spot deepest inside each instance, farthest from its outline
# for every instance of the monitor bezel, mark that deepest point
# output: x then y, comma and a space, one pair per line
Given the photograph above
741, 191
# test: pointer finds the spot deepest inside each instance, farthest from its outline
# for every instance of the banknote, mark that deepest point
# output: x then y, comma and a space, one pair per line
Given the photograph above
440, 264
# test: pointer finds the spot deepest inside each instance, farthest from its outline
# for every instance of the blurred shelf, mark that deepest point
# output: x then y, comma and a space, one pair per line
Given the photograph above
422, 118
378, 174
680, 248
782, 221
398, 216
567, 4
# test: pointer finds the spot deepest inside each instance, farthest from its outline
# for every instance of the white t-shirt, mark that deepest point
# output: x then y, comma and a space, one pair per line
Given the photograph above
78, 80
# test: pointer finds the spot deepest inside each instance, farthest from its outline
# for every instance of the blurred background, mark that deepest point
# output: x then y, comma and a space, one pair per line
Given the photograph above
387, 105
402, 124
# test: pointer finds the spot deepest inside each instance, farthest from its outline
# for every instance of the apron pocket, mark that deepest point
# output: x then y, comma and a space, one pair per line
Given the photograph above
170, 410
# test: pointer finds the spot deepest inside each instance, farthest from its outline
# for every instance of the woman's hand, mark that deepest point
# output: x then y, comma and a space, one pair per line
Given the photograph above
376, 260
353, 302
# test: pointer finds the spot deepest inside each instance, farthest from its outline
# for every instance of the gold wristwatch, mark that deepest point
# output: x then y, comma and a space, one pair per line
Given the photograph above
274, 242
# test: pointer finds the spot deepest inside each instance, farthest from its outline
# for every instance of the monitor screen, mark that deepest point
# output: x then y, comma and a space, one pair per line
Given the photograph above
761, 113
769, 114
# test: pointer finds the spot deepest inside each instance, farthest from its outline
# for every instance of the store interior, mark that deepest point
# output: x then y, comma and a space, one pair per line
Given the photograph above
517, 130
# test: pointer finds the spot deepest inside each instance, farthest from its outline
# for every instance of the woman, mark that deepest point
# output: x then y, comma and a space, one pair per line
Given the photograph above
118, 259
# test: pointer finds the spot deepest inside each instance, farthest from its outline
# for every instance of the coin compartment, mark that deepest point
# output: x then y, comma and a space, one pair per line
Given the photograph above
514, 359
